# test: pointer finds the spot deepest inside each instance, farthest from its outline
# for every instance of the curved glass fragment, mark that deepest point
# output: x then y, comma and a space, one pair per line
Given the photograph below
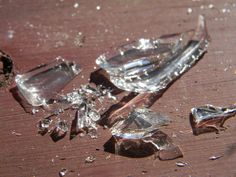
149, 65
210, 118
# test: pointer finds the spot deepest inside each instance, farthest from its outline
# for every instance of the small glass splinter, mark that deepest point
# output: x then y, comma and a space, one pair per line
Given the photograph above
90, 159
44, 125
59, 131
43, 83
210, 118
63, 172
139, 135
215, 157
181, 164
149, 65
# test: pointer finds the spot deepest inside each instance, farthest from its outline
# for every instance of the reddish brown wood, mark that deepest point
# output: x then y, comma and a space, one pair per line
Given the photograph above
43, 30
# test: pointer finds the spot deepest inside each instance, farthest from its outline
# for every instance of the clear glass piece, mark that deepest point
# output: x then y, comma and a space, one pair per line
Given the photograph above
140, 119
43, 83
210, 118
85, 121
215, 157
60, 130
90, 159
181, 164
149, 65
63, 172
44, 125
139, 134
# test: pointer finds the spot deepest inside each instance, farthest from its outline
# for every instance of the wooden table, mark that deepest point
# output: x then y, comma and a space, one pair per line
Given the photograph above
37, 31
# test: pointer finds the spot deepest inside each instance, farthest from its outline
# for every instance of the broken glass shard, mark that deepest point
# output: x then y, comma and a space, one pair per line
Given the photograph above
84, 101
34, 111
139, 135
90, 159
44, 125
15, 133
81, 118
210, 118
215, 157
85, 121
74, 98
63, 172
59, 131
43, 83
85, 94
144, 118
150, 65
181, 164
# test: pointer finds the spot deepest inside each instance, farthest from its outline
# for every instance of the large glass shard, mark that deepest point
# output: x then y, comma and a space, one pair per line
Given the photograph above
139, 135
151, 65
210, 118
43, 83
142, 118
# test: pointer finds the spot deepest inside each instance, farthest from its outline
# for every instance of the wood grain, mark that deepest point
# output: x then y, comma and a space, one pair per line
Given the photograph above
35, 32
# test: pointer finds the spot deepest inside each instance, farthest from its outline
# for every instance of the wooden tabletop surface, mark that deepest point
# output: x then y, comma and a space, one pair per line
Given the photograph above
37, 31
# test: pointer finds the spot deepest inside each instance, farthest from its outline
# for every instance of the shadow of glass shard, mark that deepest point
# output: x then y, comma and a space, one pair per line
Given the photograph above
127, 104
21, 100
139, 136
43, 83
100, 77
6, 68
210, 118
150, 65
59, 131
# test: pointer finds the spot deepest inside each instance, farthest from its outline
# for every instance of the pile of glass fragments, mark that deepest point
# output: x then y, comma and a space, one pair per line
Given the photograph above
144, 68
